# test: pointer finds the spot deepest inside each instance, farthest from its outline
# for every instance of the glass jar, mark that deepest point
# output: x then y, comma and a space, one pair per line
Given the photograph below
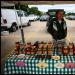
50, 44
17, 45
74, 50
59, 48
70, 45
17, 49
71, 51
60, 51
28, 44
65, 50
49, 52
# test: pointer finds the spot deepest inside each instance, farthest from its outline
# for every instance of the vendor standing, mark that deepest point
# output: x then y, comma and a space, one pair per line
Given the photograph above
57, 26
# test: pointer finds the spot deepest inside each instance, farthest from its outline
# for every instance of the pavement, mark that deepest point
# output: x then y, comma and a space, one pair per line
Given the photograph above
36, 32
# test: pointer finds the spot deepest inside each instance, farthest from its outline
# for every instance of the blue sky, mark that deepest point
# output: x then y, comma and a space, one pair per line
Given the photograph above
66, 7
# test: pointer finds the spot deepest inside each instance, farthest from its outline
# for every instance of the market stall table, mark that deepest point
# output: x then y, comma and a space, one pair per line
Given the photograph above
39, 64
31, 68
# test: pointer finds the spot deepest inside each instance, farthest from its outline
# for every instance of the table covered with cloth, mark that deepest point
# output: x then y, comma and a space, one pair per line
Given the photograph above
31, 68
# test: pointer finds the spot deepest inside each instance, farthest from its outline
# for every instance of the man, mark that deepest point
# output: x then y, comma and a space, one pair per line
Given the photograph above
57, 26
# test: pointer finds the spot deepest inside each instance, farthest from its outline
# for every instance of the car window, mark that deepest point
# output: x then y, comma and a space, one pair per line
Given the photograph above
20, 14
25, 14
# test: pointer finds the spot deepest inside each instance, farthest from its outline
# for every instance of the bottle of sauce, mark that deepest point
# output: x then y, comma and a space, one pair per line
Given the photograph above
17, 49
39, 51
65, 50
29, 48
50, 44
33, 49
71, 48
74, 50
60, 49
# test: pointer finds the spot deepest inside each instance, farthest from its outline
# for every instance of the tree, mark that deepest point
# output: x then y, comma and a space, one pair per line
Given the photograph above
34, 10
22, 7
39, 13
70, 13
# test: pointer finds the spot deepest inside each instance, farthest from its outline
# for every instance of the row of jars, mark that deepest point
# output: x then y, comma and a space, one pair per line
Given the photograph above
67, 50
70, 49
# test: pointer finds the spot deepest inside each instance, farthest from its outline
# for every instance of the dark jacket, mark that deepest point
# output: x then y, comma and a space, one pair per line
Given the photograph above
57, 30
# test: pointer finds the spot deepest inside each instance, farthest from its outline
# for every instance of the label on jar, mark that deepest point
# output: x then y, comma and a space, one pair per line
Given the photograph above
71, 50
60, 53
71, 53
74, 52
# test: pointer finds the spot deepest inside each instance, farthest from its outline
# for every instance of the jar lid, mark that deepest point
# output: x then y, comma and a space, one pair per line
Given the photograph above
17, 42
50, 42
28, 42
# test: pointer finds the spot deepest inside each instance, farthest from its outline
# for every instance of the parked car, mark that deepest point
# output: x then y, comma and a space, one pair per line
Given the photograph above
44, 18
37, 17
10, 19
51, 12
66, 17
32, 17
70, 17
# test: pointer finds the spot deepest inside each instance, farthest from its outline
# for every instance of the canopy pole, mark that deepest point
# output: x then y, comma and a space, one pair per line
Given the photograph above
22, 33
